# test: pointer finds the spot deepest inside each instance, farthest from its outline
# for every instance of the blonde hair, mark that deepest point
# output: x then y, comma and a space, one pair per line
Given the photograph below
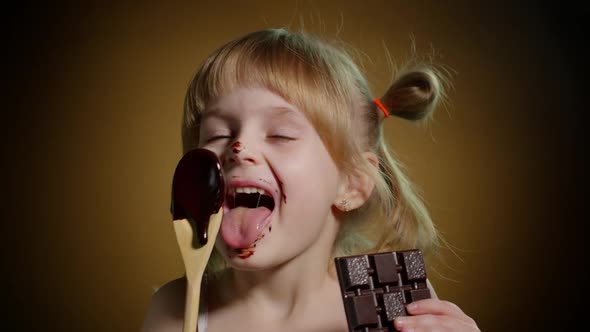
323, 81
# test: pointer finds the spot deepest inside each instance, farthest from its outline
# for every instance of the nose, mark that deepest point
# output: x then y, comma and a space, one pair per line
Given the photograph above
238, 153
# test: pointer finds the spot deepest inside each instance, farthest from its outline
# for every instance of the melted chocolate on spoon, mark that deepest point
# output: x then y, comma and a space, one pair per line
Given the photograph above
198, 190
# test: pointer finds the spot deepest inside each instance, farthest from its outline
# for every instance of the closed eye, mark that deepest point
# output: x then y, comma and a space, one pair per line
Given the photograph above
218, 137
282, 138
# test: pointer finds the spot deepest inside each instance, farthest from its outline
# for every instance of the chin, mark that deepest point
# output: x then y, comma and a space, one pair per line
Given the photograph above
260, 258
255, 262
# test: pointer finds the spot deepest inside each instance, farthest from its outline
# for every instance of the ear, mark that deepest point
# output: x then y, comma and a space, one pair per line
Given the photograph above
357, 187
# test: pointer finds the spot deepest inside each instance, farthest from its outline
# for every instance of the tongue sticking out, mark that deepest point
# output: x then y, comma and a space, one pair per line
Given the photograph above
242, 226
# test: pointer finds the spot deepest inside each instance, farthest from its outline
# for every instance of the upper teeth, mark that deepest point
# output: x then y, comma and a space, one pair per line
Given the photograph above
249, 190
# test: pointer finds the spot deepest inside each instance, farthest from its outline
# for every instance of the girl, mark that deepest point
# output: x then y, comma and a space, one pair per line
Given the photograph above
295, 126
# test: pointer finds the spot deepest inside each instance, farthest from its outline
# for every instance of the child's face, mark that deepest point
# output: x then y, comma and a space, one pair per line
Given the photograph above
267, 144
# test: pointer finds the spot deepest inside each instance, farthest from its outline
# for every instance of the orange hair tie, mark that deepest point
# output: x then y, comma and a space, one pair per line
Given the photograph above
378, 102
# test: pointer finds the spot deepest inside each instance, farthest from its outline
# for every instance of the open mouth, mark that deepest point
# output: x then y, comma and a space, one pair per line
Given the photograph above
249, 197
248, 215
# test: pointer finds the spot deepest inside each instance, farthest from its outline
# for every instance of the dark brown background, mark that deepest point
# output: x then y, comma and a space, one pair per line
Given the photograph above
91, 138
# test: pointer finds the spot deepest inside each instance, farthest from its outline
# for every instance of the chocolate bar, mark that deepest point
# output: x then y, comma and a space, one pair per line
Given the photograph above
377, 287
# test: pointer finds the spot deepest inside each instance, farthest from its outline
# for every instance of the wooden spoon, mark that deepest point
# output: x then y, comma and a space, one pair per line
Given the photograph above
198, 190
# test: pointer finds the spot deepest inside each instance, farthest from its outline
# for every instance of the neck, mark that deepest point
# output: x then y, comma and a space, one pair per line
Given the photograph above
287, 290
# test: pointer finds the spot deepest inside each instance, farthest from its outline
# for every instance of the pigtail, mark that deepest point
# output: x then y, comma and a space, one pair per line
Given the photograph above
407, 218
415, 93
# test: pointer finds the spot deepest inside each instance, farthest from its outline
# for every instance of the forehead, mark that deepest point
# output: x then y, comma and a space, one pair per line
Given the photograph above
246, 102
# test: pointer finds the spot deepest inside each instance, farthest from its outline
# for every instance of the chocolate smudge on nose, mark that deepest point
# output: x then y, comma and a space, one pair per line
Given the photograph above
237, 147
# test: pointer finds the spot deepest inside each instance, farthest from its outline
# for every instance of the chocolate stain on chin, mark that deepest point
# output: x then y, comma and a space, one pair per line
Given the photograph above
245, 253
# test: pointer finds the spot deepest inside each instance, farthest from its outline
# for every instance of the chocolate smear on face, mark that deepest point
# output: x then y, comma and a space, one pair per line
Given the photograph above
237, 147
198, 190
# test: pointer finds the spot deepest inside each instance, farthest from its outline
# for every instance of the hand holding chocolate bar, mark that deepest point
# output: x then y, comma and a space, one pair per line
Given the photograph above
376, 287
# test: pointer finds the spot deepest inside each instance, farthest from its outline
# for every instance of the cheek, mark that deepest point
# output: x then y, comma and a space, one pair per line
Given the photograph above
310, 179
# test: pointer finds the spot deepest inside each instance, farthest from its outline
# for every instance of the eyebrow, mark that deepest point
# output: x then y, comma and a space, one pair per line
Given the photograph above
277, 111
213, 113
285, 111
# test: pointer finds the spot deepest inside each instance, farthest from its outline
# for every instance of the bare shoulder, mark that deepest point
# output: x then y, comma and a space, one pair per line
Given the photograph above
166, 310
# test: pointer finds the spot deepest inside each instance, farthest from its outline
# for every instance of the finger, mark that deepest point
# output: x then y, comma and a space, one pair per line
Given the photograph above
432, 323
436, 307
422, 323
